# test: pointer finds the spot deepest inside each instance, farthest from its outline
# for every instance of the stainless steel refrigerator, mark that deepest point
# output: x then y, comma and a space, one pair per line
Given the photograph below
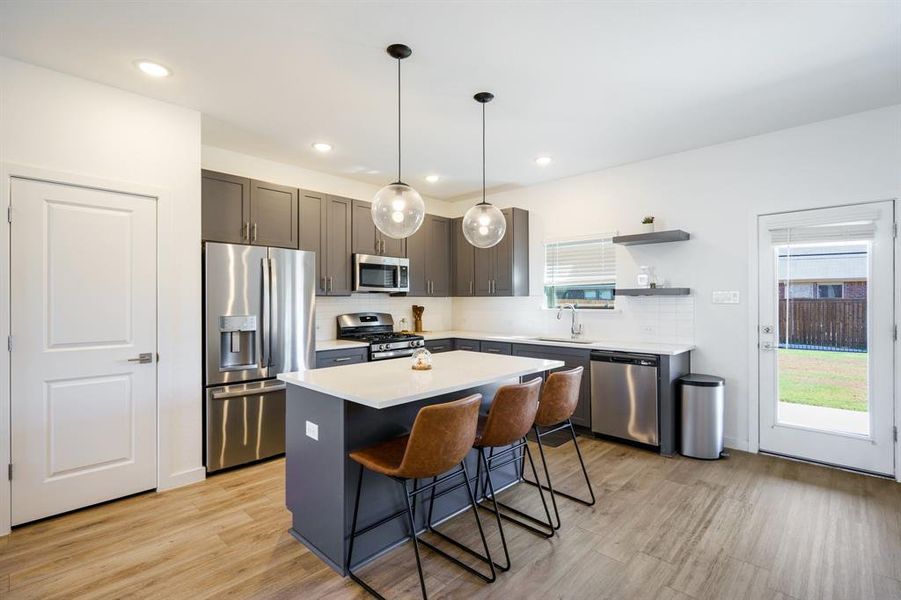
258, 322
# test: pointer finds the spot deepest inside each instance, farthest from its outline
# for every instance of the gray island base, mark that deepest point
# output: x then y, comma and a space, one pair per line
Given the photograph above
333, 411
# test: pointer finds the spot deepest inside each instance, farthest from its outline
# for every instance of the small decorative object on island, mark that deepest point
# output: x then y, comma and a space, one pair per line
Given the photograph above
422, 360
647, 224
417, 318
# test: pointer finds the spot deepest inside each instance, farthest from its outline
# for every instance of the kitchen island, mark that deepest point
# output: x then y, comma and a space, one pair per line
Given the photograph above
333, 411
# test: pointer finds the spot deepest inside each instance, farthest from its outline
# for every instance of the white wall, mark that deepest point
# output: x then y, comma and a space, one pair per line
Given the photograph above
246, 165
86, 131
714, 193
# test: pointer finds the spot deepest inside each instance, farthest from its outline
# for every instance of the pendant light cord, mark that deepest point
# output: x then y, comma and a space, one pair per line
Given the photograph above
483, 154
398, 122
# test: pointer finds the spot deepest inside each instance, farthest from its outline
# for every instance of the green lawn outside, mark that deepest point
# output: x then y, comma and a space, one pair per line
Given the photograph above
818, 378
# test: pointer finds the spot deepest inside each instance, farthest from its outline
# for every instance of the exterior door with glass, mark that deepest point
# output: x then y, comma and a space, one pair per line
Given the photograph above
826, 335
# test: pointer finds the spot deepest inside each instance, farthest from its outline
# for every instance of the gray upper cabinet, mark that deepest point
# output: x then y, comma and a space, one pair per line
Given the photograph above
503, 270
273, 215
238, 210
313, 231
225, 208
369, 240
337, 274
429, 252
462, 261
439, 255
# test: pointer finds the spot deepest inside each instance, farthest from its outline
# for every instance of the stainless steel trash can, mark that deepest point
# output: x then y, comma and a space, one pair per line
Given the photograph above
702, 415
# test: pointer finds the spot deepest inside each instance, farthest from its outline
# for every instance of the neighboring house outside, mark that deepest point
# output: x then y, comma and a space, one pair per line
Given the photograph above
824, 272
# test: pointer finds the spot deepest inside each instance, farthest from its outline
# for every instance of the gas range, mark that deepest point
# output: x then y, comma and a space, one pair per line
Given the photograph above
377, 329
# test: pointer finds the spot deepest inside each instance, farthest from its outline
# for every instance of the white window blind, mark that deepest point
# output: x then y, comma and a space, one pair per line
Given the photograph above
580, 262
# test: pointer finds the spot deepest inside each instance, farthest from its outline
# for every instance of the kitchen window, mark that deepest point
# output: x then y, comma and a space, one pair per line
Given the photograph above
580, 272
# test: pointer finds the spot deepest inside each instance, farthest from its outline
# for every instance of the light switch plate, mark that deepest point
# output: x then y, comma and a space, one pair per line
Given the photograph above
313, 431
727, 297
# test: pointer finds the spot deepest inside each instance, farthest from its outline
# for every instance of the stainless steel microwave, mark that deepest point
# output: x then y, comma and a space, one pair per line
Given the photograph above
381, 273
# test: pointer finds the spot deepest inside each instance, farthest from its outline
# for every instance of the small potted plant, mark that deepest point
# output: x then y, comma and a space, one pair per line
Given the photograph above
647, 225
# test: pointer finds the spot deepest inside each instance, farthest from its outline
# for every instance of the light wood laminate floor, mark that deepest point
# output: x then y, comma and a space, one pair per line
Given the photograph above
669, 528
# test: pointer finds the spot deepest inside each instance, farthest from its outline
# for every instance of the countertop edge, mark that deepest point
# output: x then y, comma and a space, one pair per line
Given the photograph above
288, 378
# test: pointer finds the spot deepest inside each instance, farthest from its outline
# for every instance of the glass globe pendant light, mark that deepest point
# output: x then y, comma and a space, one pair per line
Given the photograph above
398, 209
484, 224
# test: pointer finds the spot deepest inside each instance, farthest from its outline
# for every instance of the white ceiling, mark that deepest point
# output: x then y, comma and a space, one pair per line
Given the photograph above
592, 84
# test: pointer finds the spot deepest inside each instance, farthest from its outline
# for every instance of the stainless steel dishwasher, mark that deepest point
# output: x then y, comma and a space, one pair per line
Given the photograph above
624, 396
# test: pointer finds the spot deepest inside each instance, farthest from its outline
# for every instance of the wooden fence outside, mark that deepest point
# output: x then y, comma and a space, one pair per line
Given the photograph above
823, 324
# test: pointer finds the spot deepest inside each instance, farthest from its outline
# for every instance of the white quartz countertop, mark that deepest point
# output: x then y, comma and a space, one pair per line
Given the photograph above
322, 345
386, 383
642, 347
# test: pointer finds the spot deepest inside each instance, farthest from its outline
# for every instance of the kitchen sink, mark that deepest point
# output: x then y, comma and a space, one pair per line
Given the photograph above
563, 339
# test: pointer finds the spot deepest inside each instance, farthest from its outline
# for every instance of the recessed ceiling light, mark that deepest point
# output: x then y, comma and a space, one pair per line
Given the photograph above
153, 69
543, 161
322, 147
432, 178
372, 172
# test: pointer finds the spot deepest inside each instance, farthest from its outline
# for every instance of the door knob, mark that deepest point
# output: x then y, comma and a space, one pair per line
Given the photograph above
142, 358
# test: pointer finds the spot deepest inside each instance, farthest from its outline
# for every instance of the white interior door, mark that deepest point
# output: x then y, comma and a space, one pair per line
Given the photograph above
83, 309
825, 335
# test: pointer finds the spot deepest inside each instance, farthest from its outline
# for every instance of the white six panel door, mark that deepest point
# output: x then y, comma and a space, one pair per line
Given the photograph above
83, 308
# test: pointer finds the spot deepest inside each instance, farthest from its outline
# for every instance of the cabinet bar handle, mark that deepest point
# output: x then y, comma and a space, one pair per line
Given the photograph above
470, 287
245, 230
322, 285
253, 235
329, 284
493, 350
343, 359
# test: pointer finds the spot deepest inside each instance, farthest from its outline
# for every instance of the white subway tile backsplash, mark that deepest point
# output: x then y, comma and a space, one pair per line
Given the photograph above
639, 318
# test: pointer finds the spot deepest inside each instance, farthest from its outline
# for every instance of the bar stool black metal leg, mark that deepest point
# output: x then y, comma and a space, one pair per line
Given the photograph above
549, 487
486, 558
509, 509
497, 512
547, 475
584, 471
353, 533
403, 484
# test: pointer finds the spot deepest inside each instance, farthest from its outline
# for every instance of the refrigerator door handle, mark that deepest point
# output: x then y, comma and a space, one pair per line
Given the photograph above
267, 315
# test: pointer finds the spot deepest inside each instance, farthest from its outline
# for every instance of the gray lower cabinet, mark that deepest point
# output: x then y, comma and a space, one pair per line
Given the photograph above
470, 345
429, 252
503, 269
225, 208
334, 358
367, 239
572, 357
273, 215
436, 346
497, 347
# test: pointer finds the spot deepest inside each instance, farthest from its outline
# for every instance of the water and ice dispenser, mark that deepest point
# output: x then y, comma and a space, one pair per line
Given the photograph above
238, 342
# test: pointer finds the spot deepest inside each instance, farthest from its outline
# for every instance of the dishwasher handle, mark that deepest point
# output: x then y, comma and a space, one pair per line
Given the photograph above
625, 358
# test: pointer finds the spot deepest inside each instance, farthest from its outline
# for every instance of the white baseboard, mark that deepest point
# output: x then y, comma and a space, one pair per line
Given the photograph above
736, 444
182, 478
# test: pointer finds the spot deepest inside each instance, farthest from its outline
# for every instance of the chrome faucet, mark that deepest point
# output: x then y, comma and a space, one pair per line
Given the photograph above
575, 329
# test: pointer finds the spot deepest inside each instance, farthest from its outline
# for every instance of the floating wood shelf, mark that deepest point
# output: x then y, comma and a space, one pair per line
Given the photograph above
657, 237
660, 291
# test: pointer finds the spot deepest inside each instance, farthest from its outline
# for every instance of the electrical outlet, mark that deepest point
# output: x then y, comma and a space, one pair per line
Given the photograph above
313, 431
729, 297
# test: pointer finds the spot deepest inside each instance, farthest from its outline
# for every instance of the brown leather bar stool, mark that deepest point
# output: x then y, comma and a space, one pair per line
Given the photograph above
509, 419
441, 437
559, 400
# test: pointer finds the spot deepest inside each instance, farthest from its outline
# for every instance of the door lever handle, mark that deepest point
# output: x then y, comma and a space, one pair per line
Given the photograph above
143, 358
